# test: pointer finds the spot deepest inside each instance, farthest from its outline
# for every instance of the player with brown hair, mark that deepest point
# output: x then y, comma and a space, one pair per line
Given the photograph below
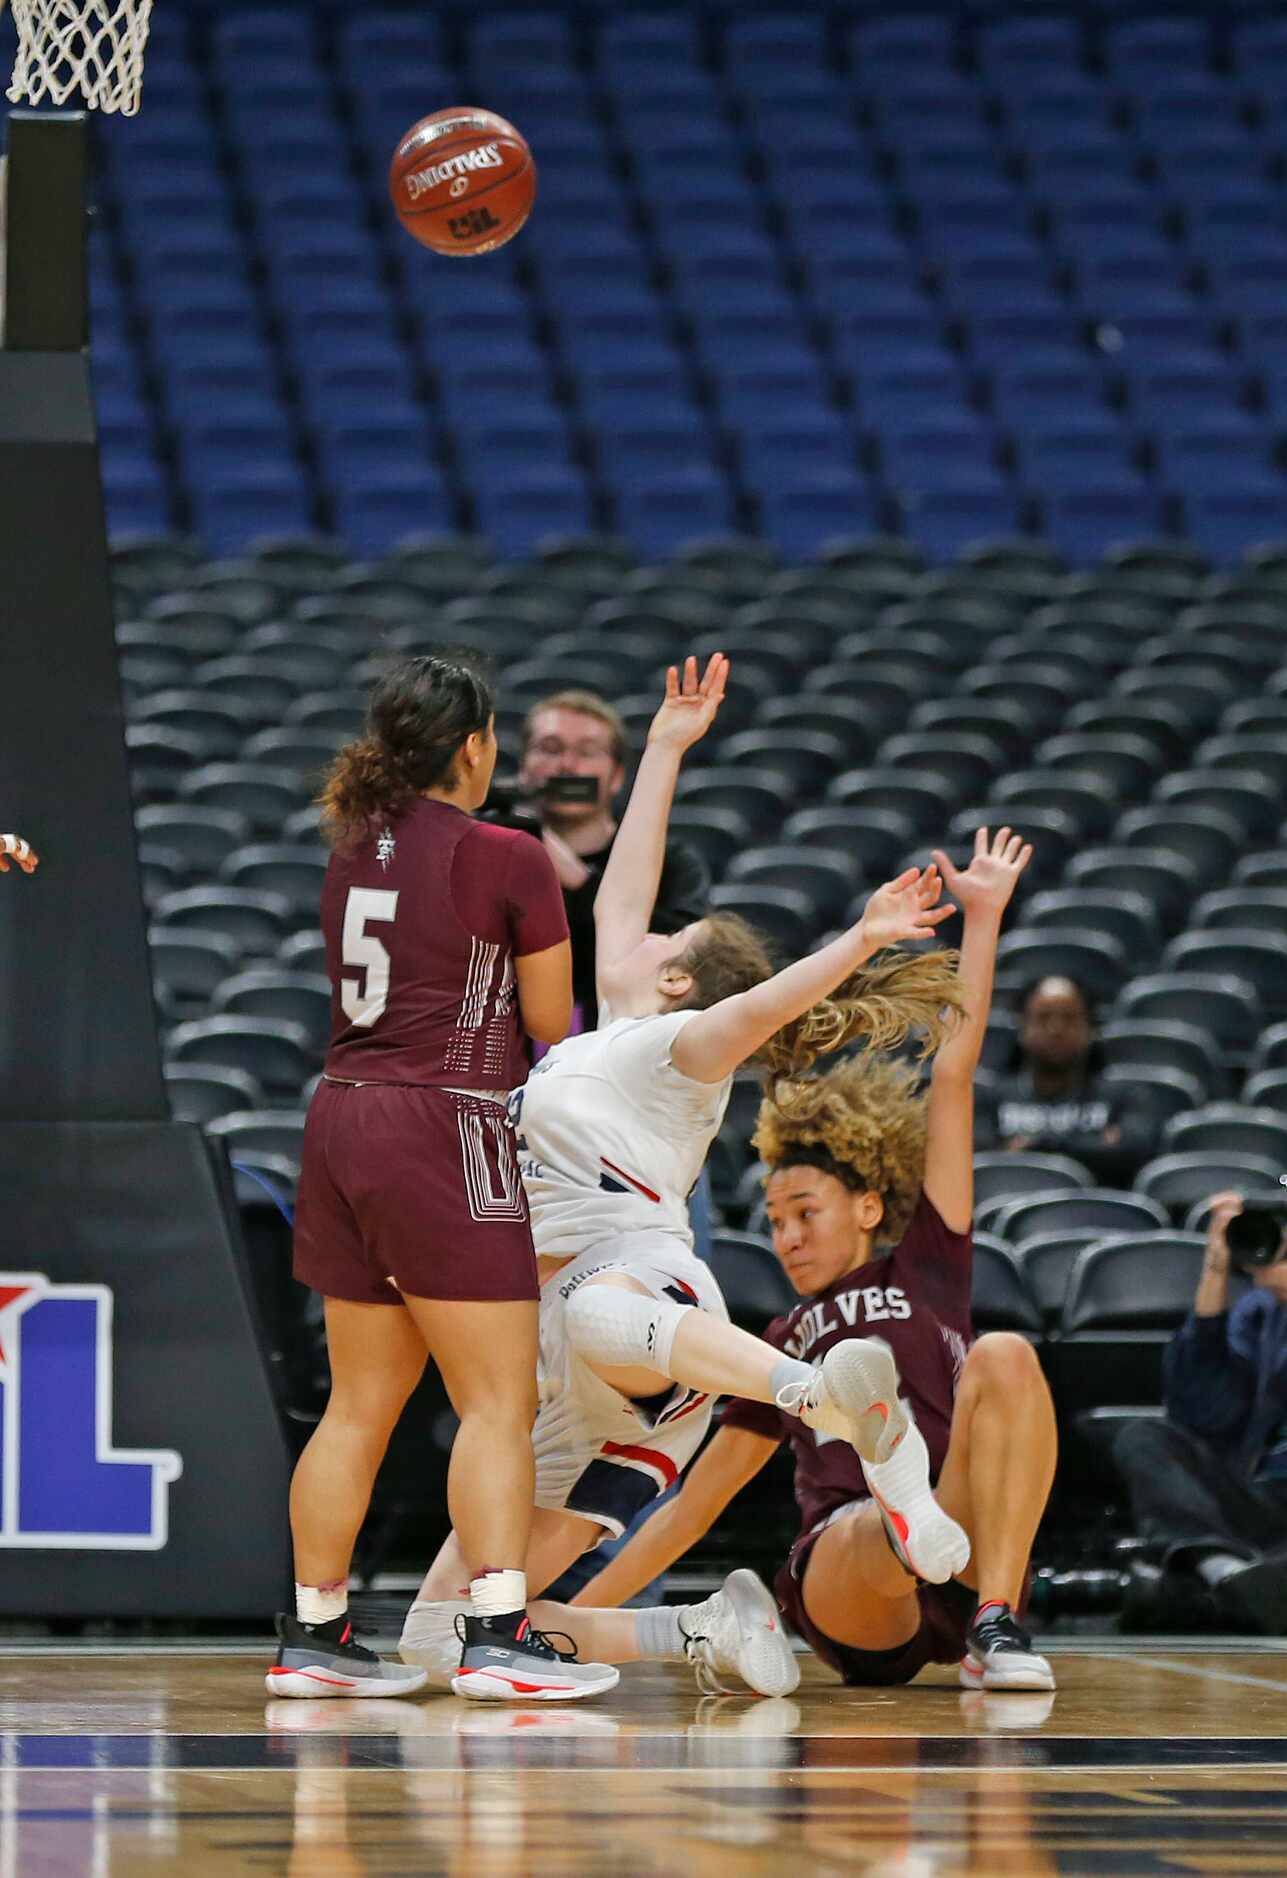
870, 1196
614, 1128
445, 939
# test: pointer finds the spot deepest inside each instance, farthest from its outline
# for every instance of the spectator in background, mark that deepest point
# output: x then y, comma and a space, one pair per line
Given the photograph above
21, 851
1208, 1483
1056, 1100
577, 733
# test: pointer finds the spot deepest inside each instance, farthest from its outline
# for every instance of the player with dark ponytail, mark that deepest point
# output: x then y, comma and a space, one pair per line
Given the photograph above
445, 939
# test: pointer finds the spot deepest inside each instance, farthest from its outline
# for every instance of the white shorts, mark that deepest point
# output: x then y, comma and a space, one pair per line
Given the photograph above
598, 1454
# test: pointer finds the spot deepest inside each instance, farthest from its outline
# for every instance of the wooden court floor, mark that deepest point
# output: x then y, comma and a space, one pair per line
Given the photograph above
1149, 1760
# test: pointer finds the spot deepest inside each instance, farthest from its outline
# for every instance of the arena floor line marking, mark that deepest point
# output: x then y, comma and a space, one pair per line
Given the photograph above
1215, 1675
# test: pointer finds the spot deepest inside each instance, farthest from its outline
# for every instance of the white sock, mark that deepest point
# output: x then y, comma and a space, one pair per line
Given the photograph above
320, 1604
498, 1593
659, 1633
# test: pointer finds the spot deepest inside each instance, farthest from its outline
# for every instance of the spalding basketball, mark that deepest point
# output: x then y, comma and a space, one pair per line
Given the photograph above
463, 181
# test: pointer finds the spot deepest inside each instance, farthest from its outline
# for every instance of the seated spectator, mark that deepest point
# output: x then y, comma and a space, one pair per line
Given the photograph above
1208, 1483
1055, 1099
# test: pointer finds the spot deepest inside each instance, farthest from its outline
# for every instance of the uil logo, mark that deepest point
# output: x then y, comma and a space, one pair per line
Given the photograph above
62, 1483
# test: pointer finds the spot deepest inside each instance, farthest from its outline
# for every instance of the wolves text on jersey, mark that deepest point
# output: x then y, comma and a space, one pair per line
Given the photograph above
873, 1304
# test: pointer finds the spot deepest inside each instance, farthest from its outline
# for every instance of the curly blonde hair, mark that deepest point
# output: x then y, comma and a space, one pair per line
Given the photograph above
863, 1121
895, 995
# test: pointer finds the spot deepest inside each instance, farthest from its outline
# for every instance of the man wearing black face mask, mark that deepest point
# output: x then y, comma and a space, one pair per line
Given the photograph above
577, 736
1208, 1484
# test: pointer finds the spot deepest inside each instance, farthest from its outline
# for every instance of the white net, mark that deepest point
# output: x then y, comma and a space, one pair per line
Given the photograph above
91, 51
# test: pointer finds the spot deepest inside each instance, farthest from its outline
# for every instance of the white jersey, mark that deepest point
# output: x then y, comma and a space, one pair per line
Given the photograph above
612, 1137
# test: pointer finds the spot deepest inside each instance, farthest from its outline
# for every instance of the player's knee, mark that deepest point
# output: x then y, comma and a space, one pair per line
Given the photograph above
1004, 1361
622, 1329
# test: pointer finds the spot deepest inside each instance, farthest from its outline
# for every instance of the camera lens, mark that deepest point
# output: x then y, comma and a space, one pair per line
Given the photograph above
1254, 1236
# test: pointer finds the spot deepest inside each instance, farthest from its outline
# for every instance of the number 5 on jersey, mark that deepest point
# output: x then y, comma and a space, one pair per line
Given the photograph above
366, 906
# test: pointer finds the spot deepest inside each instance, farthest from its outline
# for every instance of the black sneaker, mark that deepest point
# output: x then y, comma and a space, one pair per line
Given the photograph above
318, 1660
999, 1655
499, 1663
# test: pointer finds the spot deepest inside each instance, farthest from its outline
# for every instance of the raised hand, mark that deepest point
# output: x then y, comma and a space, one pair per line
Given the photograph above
690, 705
992, 875
906, 908
22, 851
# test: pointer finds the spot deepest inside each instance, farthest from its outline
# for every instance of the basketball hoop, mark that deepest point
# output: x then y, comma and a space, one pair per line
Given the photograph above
89, 49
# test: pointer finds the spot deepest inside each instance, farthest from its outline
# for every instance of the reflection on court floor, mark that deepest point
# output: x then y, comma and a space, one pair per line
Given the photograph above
1144, 1762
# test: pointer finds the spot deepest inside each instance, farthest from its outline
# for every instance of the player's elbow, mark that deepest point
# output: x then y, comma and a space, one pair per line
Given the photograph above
545, 992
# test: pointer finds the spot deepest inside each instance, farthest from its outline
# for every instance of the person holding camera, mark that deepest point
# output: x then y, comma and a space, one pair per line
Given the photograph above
574, 757
1208, 1482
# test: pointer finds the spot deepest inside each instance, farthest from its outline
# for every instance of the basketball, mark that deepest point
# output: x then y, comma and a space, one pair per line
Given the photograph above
462, 181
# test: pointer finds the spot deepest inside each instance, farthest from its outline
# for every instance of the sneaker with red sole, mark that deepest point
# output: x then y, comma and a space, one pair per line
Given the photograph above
320, 1660
502, 1665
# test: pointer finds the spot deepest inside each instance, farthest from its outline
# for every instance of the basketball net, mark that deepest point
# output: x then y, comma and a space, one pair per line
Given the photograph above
90, 49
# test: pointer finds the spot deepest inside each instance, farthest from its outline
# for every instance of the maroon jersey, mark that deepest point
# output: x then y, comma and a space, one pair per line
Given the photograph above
917, 1298
423, 920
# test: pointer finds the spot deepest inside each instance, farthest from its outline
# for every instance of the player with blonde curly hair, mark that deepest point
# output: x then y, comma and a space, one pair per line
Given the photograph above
870, 1194
614, 1127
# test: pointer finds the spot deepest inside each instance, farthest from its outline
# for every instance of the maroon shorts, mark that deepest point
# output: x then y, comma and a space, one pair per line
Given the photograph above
946, 1613
409, 1189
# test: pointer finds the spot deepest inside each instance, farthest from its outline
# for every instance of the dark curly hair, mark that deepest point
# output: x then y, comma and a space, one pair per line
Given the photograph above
420, 713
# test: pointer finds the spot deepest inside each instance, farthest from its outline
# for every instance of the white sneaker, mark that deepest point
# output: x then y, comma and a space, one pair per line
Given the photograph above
739, 1632
855, 1394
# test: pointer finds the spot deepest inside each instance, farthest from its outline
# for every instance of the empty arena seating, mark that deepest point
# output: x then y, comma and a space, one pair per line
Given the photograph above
963, 275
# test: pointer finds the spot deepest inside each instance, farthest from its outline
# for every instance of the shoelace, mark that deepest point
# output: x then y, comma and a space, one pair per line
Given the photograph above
792, 1396
700, 1652
532, 1642
1001, 1633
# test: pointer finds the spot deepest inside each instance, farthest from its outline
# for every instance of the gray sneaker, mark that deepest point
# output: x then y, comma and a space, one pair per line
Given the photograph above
317, 1660
496, 1666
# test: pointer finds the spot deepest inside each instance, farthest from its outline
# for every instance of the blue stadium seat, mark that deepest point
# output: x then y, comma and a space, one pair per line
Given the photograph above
526, 510
659, 519
894, 46
802, 519
1084, 524
947, 520
1226, 524
375, 515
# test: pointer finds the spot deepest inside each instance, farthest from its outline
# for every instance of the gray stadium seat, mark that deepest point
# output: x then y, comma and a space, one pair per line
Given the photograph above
1095, 960
254, 921
1225, 1007
1000, 1298
1000, 1176
300, 997
755, 1287
203, 1092
1124, 1301
276, 1053
1227, 1127
1076, 1210
1178, 1181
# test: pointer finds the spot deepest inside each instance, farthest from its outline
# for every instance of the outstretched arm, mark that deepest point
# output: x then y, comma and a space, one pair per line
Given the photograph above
983, 891
623, 905
713, 1044
720, 1471
21, 851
